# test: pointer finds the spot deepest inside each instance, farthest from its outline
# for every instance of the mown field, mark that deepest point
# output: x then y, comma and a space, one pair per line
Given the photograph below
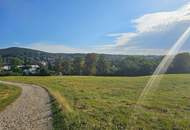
107, 103
7, 95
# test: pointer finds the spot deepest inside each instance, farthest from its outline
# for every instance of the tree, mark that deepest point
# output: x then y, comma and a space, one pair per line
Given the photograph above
181, 64
102, 66
58, 65
66, 67
15, 62
50, 66
63, 66
44, 71
147, 67
77, 66
90, 64
135, 65
1, 61
129, 66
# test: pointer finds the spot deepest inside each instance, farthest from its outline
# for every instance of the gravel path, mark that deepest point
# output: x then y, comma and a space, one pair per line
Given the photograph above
31, 111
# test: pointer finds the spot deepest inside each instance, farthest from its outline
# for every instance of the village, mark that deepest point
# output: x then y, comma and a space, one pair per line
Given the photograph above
24, 69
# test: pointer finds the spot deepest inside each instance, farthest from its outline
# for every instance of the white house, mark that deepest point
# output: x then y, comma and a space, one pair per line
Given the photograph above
43, 63
6, 67
35, 66
31, 70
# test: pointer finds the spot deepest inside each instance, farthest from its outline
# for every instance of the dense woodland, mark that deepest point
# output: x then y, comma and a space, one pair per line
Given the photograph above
87, 64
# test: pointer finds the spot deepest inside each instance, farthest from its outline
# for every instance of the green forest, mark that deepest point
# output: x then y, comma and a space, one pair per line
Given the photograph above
18, 60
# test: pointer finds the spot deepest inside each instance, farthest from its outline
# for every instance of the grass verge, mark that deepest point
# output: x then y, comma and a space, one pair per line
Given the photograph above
8, 94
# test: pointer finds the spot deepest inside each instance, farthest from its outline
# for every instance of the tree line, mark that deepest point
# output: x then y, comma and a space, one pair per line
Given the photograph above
96, 64
93, 64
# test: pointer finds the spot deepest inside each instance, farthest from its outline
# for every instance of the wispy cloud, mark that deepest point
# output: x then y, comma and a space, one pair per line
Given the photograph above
122, 38
105, 49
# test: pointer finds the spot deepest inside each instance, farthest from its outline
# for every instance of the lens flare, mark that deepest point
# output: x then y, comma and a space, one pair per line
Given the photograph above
160, 70
163, 66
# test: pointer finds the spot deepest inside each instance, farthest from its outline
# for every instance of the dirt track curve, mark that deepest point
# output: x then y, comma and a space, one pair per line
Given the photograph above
31, 111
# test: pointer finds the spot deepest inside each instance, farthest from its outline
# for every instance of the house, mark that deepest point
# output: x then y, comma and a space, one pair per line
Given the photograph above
34, 66
31, 69
6, 67
43, 63
21, 66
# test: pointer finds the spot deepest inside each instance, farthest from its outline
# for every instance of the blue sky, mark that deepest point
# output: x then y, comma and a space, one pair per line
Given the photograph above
102, 26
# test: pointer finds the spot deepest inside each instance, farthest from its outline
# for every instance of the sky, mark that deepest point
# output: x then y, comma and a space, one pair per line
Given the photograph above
100, 26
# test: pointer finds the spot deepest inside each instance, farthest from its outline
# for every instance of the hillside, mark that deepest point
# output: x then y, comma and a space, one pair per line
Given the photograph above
36, 55
32, 55
24, 52
13, 51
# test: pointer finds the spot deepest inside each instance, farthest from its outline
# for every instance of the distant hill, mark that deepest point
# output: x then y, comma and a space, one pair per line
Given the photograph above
16, 51
24, 53
36, 55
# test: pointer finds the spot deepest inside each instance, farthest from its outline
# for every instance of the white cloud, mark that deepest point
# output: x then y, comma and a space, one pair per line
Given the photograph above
161, 20
154, 34
155, 31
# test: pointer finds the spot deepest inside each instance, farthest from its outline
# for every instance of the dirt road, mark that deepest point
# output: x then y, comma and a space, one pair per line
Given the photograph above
31, 111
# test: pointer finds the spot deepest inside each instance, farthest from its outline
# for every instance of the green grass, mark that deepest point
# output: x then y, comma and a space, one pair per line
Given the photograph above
7, 95
106, 103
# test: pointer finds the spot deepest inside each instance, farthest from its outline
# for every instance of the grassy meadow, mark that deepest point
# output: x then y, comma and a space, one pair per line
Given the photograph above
7, 95
106, 103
